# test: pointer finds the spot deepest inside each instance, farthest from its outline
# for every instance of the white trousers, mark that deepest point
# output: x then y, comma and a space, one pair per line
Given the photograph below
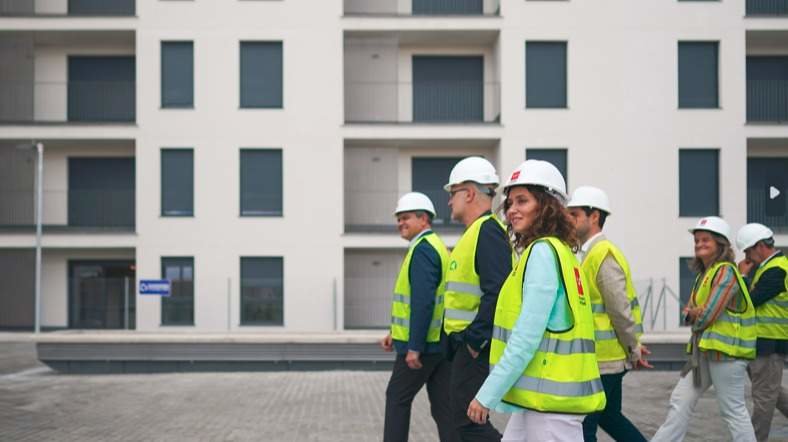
532, 426
728, 378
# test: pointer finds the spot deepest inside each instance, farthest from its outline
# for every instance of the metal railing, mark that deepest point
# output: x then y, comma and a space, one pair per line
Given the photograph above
103, 303
423, 7
422, 102
372, 211
767, 7
767, 100
653, 301
758, 210
74, 101
69, 209
75, 8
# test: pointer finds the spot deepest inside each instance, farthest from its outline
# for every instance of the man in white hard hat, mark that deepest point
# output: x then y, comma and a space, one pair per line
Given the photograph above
614, 303
769, 293
478, 266
416, 322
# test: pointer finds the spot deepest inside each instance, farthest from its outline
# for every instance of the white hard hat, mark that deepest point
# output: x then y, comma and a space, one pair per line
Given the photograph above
588, 196
475, 169
713, 224
413, 201
750, 234
539, 173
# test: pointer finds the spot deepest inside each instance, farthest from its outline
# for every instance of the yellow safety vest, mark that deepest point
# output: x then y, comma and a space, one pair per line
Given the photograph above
563, 376
400, 305
733, 333
608, 348
772, 316
463, 289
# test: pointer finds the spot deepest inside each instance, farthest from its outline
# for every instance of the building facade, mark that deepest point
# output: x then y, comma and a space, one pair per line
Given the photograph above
252, 151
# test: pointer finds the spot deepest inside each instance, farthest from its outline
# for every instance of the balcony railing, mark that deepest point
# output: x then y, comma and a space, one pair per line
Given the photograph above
422, 7
371, 211
767, 101
765, 210
767, 7
74, 8
422, 102
74, 101
69, 210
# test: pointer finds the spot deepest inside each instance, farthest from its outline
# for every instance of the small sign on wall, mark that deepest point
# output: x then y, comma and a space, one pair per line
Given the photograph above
159, 287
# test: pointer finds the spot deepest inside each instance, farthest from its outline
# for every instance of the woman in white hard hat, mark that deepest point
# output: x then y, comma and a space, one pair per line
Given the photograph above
723, 337
545, 367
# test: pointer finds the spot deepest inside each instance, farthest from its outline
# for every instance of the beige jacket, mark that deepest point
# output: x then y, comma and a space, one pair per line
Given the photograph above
612, 283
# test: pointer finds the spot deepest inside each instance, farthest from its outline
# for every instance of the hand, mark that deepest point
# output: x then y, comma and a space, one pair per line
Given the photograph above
477, 412
642, 361
386, 344
692, 313
745, 266
412, 359
474, 354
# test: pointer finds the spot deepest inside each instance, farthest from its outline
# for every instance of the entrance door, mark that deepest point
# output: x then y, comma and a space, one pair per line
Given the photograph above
101, 295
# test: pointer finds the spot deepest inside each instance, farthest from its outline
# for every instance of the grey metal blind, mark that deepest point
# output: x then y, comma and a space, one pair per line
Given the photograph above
261, 182
698, 74
447, 7
177, 74
262, 291
545, 74
261, 74
448, 88
101, 192
429, 176
177, 182
100, 7
101, 88
767, 187
699, 182
556, 157
767, 89
178, 308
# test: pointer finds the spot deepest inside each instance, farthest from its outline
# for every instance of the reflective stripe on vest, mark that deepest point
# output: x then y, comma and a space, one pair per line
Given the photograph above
773, 314
400, 302
563, 375
463, 289
608, 347
733, 333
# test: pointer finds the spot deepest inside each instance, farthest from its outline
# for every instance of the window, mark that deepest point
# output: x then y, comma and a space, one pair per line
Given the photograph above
101, 88
698, 182
766, 91
261, 182
767, 187
429, 175
177, 182
178, 308
101, 193
698, 75
557, 157
545, 74
686, 280
448, 88
177, 74
262, 292
261, 74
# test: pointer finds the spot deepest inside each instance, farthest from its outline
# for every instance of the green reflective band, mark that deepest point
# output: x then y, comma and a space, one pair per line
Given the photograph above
600, 335
501, 333
564, 389
401, 298
783, 304
436, 323
746, 322
462, 315
600, 308
769, 320
561, 347
464, 288
736, 342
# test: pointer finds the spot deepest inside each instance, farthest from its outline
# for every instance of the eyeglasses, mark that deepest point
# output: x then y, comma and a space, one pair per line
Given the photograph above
454, 192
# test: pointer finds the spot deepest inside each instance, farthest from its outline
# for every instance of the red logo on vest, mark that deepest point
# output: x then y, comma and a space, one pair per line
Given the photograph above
515, 175
578, 281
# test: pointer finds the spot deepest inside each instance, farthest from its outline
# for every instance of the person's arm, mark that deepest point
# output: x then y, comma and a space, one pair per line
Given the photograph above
425, 276
724, 287
771, 284
612, 283
493, 264
540, 292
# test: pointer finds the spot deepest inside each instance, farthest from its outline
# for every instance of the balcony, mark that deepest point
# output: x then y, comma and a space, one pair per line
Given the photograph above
767, 8
767, 89
67, 8
422, 7
767, 182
